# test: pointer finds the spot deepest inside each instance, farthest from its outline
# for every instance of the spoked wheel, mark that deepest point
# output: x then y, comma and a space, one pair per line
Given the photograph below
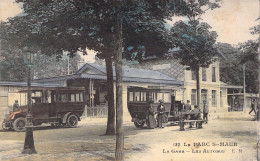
4, 126
72, 120
19, 124
139, 123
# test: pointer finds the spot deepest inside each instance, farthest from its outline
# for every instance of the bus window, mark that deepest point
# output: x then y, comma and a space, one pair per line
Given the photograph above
166, 97
137, 96
143, 96
81, 97
63, 97
131, 96
77, 97
72, 97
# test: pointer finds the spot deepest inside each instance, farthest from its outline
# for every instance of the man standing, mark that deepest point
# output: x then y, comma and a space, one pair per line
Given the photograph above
161, 117
187, 106
15, 106
205, 111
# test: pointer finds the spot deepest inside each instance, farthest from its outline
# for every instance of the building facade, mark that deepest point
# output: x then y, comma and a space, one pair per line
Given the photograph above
213, 91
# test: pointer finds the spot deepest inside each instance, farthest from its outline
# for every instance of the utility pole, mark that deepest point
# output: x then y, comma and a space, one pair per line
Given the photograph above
68, 64
244, 85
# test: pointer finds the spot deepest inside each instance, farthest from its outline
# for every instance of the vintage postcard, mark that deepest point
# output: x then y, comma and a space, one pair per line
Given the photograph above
173, 80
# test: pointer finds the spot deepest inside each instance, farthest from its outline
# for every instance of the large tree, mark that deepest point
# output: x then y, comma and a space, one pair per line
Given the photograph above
195, 40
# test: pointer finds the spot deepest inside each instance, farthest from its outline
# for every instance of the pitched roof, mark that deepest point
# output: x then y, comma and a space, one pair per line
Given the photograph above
129, 75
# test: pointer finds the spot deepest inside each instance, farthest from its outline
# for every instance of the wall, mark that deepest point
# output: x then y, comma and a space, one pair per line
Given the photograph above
8, 96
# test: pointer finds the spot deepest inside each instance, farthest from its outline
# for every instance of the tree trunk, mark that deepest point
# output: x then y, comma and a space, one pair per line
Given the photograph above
110, 98
198, 85
119, 152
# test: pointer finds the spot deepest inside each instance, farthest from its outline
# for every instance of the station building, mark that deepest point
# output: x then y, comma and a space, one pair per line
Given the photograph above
93, 77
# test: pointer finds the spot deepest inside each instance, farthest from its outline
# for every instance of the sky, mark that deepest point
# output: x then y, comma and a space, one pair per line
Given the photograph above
232, 21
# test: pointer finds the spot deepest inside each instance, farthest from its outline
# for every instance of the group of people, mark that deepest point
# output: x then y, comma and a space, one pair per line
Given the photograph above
197, 111
161, 118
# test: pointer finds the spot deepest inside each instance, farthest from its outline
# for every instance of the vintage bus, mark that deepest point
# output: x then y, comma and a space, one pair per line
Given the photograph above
60, 106
139, 98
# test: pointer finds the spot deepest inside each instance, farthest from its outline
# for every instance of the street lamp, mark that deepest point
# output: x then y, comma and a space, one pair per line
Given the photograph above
29, 142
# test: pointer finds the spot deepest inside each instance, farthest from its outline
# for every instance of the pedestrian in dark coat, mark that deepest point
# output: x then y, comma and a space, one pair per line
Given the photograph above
161, 117
205, 112
187, 106
151, 121
252, 108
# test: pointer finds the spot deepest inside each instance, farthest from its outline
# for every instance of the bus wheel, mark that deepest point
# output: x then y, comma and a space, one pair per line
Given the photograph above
139, 123
19, 124
72, 120
4, 126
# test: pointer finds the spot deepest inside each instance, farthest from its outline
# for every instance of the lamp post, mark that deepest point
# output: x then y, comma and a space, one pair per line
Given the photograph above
29, 142
244, 86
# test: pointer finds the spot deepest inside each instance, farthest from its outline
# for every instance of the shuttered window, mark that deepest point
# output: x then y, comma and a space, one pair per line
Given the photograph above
193, 97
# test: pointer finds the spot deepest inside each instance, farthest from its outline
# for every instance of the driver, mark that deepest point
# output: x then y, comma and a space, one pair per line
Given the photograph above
15, 106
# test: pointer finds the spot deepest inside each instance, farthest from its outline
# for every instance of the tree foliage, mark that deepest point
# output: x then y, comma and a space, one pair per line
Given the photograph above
196, 43
194, 38
54, 26
249, 56
231, 69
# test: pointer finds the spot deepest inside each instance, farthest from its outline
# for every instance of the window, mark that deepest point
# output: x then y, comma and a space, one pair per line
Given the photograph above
143, 96
72, 98
131, 96
193, 75
204, 74
156, 96
214, 98
193, 97
137, 96
81, 97
213, 74
77, 97
63, 97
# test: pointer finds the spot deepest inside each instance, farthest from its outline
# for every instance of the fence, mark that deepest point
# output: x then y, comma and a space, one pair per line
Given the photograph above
96, 111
